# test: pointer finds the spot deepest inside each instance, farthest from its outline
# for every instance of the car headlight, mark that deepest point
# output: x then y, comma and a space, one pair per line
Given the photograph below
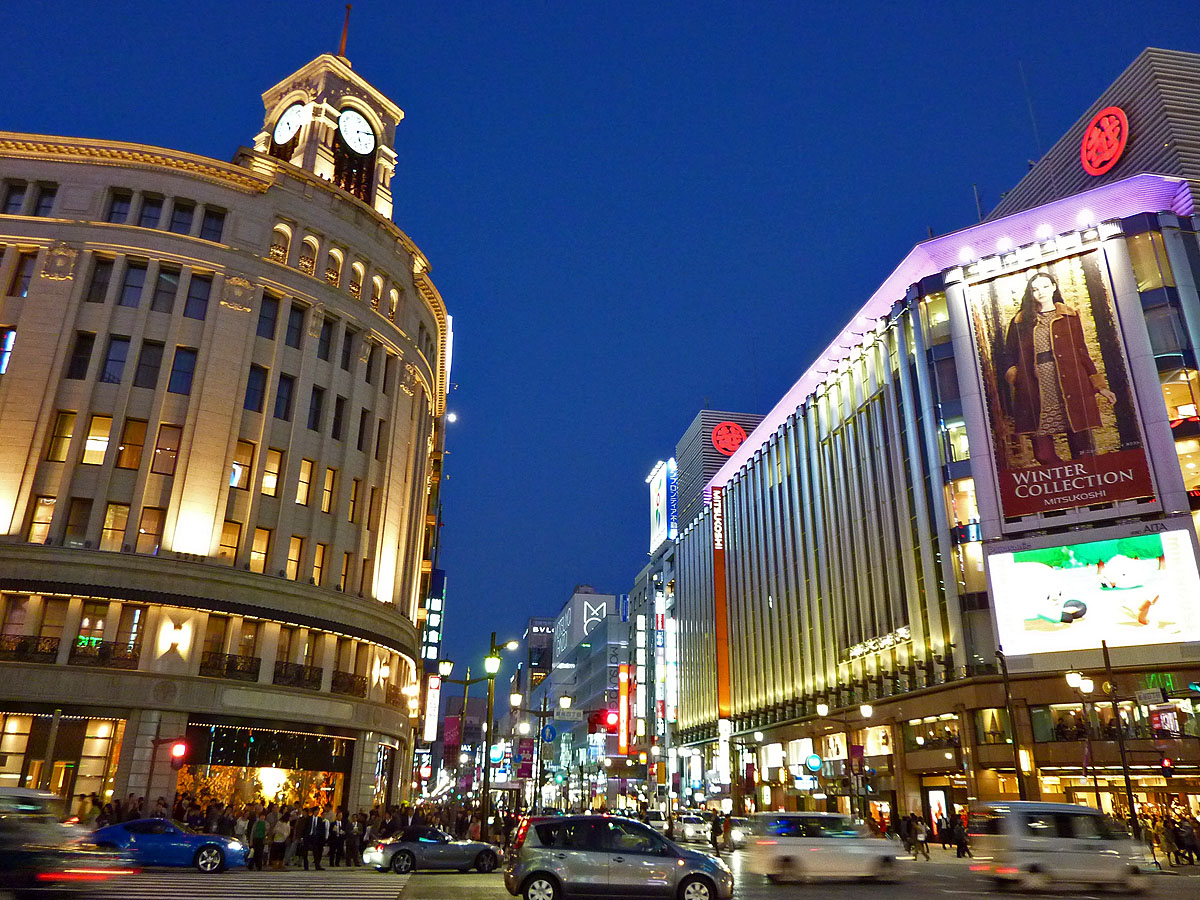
737, 834
236, 845
723, 866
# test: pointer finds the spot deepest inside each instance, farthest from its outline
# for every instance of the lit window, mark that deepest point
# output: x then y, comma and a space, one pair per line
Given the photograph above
308, 256
354, 489
8, 337
96, 444
231, 536
318, 571
133, 438
1189, 462
150, 530
957, 448
166, 450
304, 482
243, 466
295, 552
271, 469
960, 497
345, 575
116, 519
1181, 388
259, 550
333, 267
376, 291
60, 440
281, 238
356, 280
327, 490
39, 523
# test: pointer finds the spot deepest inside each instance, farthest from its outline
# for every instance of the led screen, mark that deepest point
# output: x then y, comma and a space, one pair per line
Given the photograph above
1130, 591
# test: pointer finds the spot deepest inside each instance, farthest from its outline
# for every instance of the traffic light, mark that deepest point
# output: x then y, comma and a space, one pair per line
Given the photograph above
1167, 765
610, 721
596, 722
179, 751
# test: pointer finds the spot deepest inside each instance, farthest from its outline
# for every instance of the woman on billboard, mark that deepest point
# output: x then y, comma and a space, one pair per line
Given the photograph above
1053, 378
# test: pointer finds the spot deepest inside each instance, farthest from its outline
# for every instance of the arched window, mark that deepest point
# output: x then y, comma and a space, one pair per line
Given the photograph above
376, 291
393, 303
333, 267
281, 240
357, 273
308, 256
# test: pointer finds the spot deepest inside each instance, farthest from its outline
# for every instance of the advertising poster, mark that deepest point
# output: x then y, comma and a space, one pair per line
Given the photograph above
658, 506
1063, 425
1132, 591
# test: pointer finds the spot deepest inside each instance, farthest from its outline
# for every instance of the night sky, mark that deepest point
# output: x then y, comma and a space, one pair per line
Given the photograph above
630, 209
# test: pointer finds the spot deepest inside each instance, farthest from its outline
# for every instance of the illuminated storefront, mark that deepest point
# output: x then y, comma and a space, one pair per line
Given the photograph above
1000, 452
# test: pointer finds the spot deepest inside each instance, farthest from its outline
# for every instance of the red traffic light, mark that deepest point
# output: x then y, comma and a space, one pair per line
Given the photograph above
1167, 765
179, 751
610, 720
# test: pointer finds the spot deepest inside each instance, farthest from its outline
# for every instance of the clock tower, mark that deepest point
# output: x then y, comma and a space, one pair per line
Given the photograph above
327, 120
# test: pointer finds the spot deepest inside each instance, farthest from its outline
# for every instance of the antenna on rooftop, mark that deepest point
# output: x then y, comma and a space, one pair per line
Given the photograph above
345, 31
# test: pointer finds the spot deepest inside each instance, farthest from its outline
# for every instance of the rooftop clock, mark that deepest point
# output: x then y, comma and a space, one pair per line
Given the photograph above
288, 124
356, 131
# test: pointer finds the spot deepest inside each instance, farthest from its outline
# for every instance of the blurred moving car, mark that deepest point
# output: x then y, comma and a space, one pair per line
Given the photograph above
798, 845
656, 820
579, 855
739, 832
425, 847
159, 842
42, 858
1038, 845
692, 828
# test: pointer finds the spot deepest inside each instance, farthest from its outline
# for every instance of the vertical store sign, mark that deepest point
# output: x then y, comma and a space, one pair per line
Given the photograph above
672, 500
721, 626
623, 709
433, 702
1064, 428
660, 529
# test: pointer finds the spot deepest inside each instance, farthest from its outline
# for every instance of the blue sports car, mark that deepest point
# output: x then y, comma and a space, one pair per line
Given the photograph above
158, 842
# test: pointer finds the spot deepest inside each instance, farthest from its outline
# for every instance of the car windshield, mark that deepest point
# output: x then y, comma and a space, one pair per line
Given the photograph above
183, 827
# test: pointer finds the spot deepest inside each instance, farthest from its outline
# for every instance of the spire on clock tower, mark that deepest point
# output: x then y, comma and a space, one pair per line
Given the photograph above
328, 120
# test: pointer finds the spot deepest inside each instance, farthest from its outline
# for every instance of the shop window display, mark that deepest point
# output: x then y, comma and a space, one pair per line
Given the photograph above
932, 732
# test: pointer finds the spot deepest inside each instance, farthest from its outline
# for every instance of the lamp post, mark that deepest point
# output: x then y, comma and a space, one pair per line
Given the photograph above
866, 711
564, 702
1084, 685
1012, 724
491, 665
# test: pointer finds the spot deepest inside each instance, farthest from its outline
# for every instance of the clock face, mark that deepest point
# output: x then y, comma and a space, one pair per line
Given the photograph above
356, 131
289, 123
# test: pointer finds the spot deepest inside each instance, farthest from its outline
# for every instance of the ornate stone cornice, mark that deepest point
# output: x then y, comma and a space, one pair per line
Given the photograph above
141, 156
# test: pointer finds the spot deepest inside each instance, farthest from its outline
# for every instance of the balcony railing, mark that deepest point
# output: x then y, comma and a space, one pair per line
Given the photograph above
104, 654
230, 665
27, 648
298, 675
349, 683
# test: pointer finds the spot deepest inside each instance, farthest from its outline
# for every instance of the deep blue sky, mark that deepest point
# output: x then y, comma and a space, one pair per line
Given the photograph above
629, 208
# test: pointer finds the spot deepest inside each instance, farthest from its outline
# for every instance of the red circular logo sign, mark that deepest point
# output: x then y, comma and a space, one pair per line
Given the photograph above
727, 437
1104, 140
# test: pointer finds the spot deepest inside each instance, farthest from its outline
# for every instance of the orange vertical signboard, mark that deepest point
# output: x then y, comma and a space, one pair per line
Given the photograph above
724, 704
623, 709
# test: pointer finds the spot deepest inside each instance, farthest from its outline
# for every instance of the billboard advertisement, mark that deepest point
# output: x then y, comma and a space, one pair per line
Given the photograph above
1063, 424
1137, 590
664, 504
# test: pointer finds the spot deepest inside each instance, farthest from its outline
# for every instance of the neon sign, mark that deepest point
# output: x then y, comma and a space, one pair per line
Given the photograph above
727, 437
1104, 140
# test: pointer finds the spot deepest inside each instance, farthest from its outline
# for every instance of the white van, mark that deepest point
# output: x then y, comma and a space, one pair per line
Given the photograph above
790, 846
1036, 845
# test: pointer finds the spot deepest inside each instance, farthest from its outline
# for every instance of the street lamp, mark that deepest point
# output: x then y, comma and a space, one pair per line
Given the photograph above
514, 699
564, 701
542, 714
866, 711
822, 709
445, 667
522, 728
1084, 686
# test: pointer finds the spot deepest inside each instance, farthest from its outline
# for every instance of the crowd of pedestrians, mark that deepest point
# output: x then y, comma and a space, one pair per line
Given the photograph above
280, 835
1175, 835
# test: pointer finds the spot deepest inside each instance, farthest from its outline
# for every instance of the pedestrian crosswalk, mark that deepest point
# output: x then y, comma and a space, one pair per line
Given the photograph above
241, 884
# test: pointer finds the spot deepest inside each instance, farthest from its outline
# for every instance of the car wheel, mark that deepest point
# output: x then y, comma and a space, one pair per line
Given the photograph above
403, 862
886, 872
1036, 880
1135, 882
485, 861
541, 887
209, 859
697, 888
785, 870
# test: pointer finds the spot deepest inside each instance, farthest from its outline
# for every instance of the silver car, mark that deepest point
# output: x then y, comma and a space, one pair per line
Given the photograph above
610, 856
425, 847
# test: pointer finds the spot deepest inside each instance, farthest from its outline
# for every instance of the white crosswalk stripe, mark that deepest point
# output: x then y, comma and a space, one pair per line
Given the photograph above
239, 884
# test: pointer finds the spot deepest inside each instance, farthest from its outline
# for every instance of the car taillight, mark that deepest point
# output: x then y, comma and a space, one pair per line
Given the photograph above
522, 830
379, 846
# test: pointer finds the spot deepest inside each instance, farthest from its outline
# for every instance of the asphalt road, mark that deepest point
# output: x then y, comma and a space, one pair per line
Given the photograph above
943, 878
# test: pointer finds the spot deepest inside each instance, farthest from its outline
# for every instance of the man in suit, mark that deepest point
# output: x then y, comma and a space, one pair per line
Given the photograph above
312, 838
